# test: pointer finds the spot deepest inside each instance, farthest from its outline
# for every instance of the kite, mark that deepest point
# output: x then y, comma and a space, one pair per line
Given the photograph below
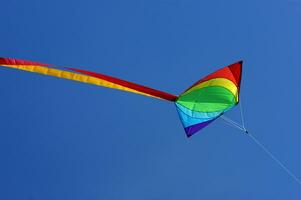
198, 106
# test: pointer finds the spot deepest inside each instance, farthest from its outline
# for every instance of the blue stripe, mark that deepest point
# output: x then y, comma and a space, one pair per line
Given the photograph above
199, 115
190, 121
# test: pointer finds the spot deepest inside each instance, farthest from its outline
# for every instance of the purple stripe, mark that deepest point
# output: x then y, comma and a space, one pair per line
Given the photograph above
190, 130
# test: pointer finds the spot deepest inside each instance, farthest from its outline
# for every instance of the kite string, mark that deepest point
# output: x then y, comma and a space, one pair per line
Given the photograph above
272, 156
233, 123
241, 114
289, 172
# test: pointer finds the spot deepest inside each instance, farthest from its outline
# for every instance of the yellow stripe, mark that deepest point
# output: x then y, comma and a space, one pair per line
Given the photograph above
222, 82
75, 77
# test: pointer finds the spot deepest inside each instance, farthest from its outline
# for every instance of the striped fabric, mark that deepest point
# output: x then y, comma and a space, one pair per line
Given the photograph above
85, 77
209, 98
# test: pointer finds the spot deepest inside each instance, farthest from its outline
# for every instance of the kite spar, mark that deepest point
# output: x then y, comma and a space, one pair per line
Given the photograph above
201, 104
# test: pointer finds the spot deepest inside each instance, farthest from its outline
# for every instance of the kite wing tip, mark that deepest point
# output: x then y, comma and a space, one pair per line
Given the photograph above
188, 136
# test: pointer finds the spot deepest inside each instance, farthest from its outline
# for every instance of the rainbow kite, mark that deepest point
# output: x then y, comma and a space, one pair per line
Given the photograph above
202, 103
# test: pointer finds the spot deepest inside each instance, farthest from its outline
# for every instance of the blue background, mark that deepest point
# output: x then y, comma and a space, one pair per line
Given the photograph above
66, 140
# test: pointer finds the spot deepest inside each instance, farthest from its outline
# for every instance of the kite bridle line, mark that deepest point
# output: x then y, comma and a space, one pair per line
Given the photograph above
268, 152
234, 123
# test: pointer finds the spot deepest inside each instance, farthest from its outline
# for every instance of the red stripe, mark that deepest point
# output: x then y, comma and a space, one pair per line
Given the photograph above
11, 61
128, 84
231, 72
236, 70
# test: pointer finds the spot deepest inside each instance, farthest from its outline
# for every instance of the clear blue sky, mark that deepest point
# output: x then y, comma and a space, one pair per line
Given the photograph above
65, 140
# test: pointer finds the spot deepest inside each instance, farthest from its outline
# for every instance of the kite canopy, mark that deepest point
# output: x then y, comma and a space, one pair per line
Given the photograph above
209, 98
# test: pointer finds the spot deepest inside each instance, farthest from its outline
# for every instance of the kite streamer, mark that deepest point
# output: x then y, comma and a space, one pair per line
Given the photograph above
201, 104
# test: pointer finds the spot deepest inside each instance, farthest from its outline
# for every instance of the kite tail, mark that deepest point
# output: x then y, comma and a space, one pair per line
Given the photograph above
85, 77
209, 98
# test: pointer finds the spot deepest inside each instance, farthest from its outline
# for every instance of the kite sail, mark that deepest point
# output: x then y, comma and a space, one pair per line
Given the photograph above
198, 106
209, 98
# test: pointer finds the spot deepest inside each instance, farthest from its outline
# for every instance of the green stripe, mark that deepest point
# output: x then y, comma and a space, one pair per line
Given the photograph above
208, 99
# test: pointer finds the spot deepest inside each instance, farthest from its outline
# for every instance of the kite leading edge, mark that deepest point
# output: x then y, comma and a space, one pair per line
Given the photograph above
201, 104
